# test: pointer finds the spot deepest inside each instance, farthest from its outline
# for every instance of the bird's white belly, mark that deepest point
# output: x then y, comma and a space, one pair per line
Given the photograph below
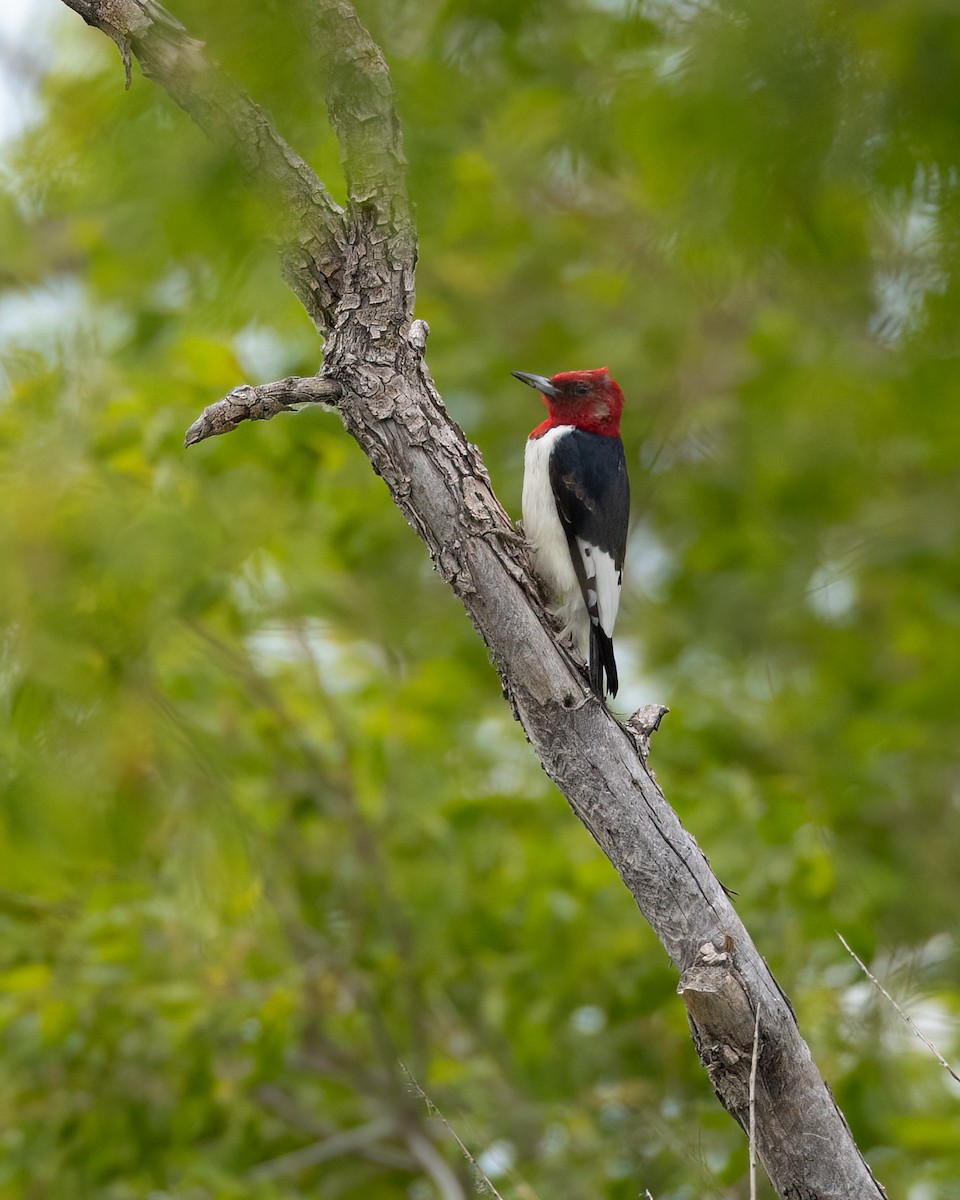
548, 542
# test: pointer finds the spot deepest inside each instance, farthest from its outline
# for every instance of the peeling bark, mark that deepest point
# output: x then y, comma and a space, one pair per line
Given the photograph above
354, 271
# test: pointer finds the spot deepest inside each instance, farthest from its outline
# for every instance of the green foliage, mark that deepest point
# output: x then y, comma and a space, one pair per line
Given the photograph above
267, 827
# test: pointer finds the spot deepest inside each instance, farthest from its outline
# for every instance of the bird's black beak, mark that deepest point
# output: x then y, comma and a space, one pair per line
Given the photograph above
540, 382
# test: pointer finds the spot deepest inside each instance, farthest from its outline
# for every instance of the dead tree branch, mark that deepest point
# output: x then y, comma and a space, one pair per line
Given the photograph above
246, 403
353, 269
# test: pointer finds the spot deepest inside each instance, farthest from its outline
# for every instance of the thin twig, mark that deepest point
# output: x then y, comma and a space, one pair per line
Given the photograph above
753, 1104
904, 1016
435, 1112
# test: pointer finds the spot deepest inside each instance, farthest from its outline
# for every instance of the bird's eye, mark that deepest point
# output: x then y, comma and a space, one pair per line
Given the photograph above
580, 389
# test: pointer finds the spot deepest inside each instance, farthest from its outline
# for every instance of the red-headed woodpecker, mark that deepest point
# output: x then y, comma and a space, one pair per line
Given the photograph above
576, 506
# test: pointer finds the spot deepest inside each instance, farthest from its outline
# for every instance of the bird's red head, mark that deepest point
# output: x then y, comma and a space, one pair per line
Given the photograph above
590, 400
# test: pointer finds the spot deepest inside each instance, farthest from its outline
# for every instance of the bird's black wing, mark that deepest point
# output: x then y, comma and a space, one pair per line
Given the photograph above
588, 474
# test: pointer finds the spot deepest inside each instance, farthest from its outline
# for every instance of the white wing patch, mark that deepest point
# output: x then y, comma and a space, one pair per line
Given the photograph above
605, 582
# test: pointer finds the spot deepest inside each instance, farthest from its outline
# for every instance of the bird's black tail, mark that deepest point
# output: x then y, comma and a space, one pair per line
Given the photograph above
602, 662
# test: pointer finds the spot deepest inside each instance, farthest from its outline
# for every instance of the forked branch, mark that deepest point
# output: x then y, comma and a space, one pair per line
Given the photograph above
309, 224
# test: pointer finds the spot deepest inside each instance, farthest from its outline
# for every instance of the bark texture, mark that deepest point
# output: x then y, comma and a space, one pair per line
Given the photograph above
353, 269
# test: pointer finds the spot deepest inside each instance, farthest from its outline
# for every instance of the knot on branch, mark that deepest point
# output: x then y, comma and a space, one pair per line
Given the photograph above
417, 337
723, 1020
643, 724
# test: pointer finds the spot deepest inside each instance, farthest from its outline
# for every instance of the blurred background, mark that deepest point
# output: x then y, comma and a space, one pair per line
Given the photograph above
266, 825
